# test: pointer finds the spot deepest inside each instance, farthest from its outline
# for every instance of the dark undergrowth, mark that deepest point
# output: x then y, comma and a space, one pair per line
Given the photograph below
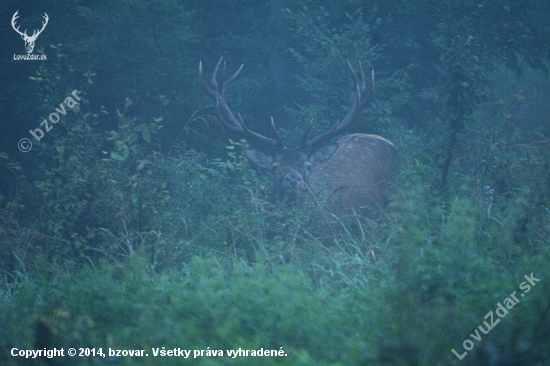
186, 253
117, 234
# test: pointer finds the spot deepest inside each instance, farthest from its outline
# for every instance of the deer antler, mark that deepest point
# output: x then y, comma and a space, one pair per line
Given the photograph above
227, 118
349, 119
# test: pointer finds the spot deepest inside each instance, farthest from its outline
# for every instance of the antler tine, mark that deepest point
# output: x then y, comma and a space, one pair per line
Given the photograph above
362, 86
214, 80
353, 74
349, 119
227, 118
230, 80
363, 83
278, 137
372, 89
303, 139
207, 89
224, 114
278, 143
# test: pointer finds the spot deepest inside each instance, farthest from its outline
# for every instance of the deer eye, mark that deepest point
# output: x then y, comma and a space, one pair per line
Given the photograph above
275, 166
308, 166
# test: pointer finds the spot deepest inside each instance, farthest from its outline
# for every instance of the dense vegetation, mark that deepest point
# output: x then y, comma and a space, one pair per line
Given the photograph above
137, 223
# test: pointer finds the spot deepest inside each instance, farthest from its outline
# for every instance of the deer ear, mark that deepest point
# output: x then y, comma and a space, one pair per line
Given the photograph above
324, 153
259, 158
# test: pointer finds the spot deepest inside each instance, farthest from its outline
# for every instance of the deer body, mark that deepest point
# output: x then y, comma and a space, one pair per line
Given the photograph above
355, 177
353, 172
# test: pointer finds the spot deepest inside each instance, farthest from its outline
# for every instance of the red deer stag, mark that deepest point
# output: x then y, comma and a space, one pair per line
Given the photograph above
352, 172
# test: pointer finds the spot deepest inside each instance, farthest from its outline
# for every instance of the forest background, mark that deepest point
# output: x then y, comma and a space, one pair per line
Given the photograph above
136, 222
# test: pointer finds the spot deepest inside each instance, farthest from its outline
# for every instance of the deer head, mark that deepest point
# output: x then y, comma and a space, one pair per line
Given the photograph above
352, 172
29, 40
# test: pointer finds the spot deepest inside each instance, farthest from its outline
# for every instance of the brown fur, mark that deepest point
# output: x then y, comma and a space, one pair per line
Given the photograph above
356, 175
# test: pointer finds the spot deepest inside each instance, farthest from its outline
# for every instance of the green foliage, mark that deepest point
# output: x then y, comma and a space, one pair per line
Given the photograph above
131, 308
102, 195
164, 30
354, 294
109, 241
321, 51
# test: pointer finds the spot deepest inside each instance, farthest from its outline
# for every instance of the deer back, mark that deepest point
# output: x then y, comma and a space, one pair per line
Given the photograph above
356, 175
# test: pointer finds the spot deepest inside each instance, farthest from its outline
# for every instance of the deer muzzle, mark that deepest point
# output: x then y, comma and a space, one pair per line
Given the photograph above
293, 180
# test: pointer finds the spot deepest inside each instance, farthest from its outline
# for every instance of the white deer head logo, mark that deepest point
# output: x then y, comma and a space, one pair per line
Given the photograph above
29, 41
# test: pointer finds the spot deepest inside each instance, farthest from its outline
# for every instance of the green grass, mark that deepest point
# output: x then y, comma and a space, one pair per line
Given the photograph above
411, 307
